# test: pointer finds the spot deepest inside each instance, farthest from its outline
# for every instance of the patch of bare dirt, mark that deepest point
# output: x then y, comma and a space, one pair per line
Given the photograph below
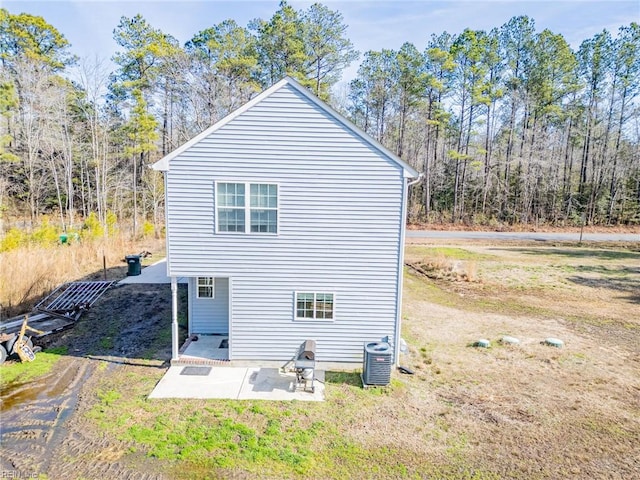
42, 432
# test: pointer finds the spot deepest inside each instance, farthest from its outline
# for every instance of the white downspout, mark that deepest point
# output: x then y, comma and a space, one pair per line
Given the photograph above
403, 227
420, 177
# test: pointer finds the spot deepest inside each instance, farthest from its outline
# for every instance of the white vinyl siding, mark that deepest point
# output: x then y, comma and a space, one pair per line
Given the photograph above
257, 215
209, 315
339, 203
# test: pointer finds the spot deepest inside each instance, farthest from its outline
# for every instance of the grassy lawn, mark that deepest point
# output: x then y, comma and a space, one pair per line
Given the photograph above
529, 411
344, 437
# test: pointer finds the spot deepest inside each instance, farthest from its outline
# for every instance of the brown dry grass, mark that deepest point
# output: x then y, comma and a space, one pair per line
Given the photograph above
28, 273
530, 411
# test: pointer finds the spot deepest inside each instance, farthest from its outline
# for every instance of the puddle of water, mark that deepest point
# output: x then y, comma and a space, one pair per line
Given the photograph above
63, 382
18, 393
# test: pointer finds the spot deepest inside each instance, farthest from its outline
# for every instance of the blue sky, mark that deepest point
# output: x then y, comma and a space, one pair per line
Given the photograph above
89, 24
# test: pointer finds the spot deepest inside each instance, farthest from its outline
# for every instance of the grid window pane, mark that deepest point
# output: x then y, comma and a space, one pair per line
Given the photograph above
264, 221
263, 195
231, 220
230, 195
314, 306
324, 305
304, 305
264, 204
234, 211
205, 287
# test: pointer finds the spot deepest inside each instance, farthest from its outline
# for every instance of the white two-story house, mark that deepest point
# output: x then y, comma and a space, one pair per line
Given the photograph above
288, 222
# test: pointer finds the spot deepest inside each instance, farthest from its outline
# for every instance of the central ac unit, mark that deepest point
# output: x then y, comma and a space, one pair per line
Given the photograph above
377, 364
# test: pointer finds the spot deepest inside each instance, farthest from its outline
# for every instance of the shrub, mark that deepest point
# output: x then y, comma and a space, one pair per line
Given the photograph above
112, 221
45, 234
91, 228
14, 238
147, 229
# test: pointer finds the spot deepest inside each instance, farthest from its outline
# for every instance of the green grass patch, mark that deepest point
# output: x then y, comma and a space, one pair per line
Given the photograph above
592, 253
200, 439
13, 371
344, 378
454, 253
205, 439
256, 437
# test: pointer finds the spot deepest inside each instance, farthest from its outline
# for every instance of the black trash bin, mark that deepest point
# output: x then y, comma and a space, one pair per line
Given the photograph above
133, 261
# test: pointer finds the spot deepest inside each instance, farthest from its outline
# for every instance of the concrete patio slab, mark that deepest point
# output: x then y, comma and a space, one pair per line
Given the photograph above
270, 384
237, 383
219, 383
207, 347
153, 274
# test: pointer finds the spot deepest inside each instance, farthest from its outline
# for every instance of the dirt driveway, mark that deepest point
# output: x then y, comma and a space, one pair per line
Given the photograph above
42, 432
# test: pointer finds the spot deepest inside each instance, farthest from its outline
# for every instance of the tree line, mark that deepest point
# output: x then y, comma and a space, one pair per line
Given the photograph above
508, 126
511, 125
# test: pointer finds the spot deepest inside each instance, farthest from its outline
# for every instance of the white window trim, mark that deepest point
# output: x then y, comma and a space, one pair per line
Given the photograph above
247, 207
315, 292
213, 288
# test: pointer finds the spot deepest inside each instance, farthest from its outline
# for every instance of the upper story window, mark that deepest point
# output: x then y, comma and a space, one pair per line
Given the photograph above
231, 207
237, 213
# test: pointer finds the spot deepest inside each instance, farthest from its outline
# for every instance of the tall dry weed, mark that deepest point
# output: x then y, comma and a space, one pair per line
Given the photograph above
441, 267
471, 271
30, 272
437, 264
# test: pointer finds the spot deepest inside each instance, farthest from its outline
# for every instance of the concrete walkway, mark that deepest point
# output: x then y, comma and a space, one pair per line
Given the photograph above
237, 383
153, 274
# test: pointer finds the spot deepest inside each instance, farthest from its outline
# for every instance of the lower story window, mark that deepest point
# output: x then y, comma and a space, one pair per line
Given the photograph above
314, 306
205, 287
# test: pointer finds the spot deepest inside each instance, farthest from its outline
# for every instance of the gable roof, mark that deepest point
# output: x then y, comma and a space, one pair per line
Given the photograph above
409, 172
